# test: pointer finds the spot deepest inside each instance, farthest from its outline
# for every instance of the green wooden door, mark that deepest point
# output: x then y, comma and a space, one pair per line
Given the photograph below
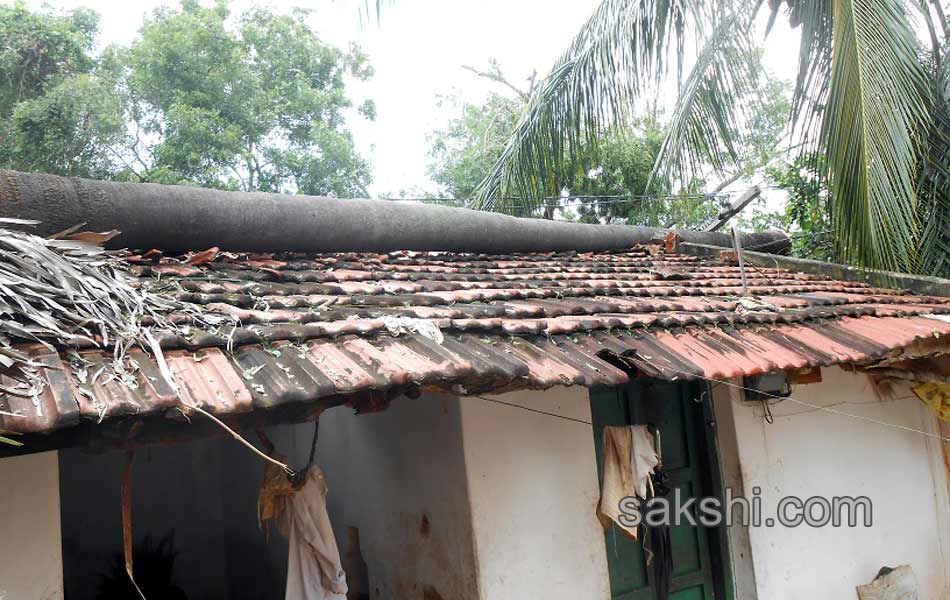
697, 557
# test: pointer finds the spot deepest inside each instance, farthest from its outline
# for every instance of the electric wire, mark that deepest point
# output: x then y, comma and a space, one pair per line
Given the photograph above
827, 409
816, 407
605, 198
568, 201
534, 410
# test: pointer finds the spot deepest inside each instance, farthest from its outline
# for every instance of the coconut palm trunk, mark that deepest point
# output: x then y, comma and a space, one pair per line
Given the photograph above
179, 218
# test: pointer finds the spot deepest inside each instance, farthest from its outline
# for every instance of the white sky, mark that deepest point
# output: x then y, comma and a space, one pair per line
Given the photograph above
418, 50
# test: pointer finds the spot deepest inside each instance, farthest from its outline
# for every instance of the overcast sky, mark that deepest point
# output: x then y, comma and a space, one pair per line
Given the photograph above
418, 50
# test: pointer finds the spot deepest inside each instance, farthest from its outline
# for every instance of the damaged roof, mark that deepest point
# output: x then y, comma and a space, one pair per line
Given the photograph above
361, 328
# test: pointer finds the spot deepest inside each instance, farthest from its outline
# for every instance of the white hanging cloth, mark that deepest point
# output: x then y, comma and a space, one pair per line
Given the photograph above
314, 570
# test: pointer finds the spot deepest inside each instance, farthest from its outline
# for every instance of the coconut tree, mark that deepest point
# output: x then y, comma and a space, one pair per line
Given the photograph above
870, 100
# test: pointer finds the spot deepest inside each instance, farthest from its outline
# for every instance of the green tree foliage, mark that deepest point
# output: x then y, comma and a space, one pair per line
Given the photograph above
614, 183
253, 103
462, 153
763, 143
611, 177
40, 50
72, 129
807, 212
624, 161
58, 108
601, 184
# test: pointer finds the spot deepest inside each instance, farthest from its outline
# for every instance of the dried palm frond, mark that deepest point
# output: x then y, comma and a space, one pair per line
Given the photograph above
67, 292
70, 293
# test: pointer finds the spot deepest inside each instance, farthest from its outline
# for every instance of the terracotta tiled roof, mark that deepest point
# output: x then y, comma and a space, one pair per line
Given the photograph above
360, 328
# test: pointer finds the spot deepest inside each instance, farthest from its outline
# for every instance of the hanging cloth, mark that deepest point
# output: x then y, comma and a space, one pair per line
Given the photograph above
314, 569
629, 459
643, 459
657, 540
297, 503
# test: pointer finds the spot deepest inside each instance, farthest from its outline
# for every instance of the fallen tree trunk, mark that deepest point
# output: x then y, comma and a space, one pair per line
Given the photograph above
174, 218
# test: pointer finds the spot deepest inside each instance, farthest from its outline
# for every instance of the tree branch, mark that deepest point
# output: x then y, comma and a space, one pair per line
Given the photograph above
532, 81
127, 164
240, 177
496, 75
135, 151
727, 182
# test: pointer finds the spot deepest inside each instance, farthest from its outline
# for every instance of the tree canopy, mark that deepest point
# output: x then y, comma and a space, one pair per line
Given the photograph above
606, 184
462, 153
58, 113
610, 178
255, 103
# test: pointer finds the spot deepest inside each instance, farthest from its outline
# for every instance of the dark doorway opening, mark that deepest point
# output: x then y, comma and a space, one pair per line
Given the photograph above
196, 501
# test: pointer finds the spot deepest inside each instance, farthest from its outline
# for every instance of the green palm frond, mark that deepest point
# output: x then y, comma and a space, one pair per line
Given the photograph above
815, 19
934, 185
870, 130
864, 106
713, 105
623, 49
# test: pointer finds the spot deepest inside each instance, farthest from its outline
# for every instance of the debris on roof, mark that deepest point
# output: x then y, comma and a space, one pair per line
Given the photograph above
336, 327
64, 294
61, 292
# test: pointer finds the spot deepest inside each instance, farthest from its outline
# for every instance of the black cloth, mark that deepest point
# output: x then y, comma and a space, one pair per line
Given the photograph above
657, 541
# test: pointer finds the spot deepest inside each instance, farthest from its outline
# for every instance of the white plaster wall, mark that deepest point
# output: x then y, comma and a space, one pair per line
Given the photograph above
808, 452
399, 477
31, 564
533, 486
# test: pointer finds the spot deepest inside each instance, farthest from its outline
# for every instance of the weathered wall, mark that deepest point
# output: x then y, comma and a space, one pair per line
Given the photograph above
808, 452
399, 477
30, 546
533, 486
508, 497
467, 499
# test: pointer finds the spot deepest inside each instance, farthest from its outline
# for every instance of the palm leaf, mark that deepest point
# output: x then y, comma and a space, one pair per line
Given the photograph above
713, 105
9, 441
934, 185
368, 9
816, 21
861, 99
622, 49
